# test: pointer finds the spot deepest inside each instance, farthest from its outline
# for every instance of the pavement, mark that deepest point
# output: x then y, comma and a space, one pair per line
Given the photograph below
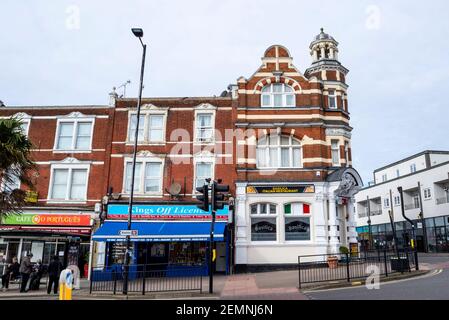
280, 285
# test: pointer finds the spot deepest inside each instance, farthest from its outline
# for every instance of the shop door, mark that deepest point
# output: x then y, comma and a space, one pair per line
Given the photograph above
420, 243
220, 263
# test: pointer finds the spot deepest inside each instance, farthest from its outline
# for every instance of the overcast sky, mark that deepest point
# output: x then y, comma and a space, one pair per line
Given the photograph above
74, 52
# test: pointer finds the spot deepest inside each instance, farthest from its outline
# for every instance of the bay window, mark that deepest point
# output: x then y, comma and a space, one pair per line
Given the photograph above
278, 152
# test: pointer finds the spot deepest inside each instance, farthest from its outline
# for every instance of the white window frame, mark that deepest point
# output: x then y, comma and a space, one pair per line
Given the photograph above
70, 167
141, 179
427, 194
338, 153
293, 215
202, 159
398, 173
413, 168
150, 111
386, 202
75, 122
267, 147
384, 177
397, 201
271, 95
204, 109
332, 96
259, 215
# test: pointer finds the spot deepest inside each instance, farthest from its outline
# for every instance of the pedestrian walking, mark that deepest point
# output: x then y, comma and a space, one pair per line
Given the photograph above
11, 273
25, 271
54, 270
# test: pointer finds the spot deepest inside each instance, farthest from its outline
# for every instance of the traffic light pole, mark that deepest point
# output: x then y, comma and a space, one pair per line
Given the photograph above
211, 244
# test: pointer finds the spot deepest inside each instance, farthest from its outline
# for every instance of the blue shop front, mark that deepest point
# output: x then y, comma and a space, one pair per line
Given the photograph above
171, 238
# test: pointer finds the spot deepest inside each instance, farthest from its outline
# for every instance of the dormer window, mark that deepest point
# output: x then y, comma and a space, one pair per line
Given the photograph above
277, 95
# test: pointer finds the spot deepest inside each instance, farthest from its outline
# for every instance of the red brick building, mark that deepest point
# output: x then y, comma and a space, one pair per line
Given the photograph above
70, 150
295, 182
280, 139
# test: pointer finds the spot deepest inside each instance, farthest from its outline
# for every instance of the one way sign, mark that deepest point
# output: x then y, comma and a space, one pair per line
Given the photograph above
131, 233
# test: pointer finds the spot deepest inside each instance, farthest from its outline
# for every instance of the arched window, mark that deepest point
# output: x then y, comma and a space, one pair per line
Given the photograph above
278, 95
278, 152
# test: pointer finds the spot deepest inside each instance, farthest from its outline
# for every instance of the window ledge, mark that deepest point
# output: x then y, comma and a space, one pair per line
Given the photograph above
72, 151
147, 143
52, 201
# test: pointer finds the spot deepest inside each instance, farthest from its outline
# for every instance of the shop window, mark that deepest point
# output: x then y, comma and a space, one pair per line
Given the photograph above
297, 222
263, 222
187, 253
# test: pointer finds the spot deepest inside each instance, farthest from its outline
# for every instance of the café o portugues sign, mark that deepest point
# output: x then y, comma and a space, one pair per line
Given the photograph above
164, 212
47, 220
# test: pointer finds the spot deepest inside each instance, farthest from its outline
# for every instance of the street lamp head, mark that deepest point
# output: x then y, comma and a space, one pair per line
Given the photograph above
138, 32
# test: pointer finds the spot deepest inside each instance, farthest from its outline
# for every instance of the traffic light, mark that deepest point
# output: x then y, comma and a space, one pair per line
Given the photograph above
204, 197
219, 191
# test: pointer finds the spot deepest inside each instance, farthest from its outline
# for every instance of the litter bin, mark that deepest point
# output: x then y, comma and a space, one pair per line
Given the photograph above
401, 264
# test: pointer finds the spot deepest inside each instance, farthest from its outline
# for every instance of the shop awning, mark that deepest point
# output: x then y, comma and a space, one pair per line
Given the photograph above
160, 231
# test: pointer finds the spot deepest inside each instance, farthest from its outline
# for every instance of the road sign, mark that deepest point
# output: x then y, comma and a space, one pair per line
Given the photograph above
129, 233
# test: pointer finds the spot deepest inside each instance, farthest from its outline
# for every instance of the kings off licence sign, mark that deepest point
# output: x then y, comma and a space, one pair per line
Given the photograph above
164, 212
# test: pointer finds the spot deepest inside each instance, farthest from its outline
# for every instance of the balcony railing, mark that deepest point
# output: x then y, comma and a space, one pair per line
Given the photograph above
411, 206
442, 200
376, 212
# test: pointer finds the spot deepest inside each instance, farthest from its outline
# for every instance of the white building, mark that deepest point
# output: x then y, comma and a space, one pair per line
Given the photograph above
424, 178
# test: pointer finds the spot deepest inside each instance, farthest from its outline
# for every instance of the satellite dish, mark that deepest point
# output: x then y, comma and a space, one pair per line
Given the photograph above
175, 189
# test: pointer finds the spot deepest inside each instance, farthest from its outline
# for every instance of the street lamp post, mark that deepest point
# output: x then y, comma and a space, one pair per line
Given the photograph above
139, 34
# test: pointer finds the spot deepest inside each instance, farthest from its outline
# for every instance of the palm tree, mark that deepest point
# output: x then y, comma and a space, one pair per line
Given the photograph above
15, 163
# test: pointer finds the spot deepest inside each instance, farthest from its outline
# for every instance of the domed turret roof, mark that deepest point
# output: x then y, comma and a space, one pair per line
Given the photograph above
323, 36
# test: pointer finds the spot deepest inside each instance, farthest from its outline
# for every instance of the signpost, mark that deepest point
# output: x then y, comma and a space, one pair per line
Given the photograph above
129, 233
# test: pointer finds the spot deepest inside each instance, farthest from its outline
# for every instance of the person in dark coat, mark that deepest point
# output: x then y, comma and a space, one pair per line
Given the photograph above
11, 273
54, 270
36, 275
25, 270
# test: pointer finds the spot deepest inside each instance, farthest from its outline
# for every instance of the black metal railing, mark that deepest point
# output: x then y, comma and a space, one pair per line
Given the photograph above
148, 278
355, 265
